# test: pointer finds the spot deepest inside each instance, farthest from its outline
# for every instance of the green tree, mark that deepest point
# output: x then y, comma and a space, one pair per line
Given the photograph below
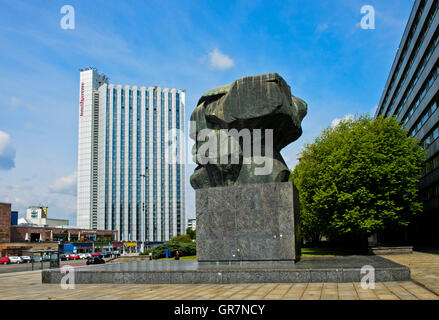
357, 178
184, 248
191, 233
181, 238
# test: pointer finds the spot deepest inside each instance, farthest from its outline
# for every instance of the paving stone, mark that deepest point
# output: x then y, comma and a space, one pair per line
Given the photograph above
27, 285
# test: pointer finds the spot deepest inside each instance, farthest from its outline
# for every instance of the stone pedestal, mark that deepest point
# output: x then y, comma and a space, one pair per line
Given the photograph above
248, 223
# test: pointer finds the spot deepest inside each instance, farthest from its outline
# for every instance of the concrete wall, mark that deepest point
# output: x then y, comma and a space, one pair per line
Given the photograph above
57, 222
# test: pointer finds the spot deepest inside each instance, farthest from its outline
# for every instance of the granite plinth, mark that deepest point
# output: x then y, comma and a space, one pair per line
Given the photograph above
255, 223
333, 269
391, 250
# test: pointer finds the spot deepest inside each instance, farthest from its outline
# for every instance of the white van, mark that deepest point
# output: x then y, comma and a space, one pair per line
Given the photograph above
15, 259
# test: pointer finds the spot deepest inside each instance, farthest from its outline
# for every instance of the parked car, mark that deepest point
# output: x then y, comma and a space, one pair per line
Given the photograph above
64, 257
95, 260
74, 256
26, 259
97, 254
82, 256
5, 260
107, 254
15, 259
87, 255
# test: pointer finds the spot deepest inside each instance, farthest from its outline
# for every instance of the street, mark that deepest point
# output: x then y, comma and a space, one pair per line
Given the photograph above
6, 268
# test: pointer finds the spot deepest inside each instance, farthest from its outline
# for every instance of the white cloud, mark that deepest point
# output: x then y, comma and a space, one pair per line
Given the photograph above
65, 185
15, 195
322, 27
61, 206
219, 60
15, 101
22, 220
337, 121
7, 152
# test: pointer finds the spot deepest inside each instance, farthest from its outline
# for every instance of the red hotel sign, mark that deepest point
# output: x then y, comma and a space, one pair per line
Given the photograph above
81, 101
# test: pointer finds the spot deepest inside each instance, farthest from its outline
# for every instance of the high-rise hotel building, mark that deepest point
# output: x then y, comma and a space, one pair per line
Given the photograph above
127, 178
412, 95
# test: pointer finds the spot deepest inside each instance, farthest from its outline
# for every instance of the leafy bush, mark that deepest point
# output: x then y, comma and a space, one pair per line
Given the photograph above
184, 248
181, 238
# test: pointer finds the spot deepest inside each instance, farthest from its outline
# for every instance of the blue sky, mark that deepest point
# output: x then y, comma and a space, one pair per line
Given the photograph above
318, 47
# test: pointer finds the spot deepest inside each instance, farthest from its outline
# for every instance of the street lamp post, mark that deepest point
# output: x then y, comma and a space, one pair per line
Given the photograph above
143, 203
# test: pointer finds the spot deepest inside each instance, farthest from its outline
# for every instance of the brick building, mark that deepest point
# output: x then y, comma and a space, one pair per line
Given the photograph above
41, 234
5, 222
15, 238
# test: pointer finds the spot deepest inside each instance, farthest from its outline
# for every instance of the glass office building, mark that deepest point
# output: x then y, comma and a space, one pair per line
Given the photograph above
130, 168
412, 95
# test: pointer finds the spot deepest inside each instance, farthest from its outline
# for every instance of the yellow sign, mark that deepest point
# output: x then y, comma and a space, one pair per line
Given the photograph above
3, 232
130, 244
44, 215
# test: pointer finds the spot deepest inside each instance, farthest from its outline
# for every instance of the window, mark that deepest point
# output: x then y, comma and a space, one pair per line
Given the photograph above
425, 118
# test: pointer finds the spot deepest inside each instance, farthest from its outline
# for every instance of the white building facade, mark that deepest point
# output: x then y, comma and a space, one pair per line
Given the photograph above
129, 178
192, 223
38, 216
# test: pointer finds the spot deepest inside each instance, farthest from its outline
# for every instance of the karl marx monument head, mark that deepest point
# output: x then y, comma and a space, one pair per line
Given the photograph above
239, 130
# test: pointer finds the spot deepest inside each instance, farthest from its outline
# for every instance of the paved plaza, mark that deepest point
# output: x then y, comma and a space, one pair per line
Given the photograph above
424, 267
424, 286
